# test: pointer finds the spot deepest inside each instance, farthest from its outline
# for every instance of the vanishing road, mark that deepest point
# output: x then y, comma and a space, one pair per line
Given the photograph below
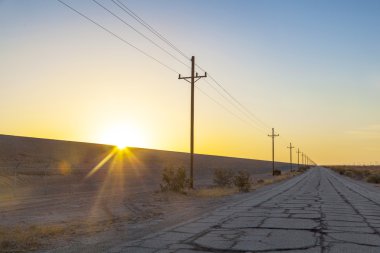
318, 211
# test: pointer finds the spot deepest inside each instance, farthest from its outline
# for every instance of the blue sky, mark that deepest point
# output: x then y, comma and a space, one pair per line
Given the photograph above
308, 68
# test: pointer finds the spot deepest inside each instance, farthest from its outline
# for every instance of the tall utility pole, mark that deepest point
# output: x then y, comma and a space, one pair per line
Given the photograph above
193, 78
303, 164
291, 162
273, 135
298, 158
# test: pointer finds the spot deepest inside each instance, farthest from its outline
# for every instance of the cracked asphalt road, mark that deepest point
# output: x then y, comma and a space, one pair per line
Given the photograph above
318, 211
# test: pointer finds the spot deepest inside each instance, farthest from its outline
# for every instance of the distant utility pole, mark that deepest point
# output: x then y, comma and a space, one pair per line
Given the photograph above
291, 162
298, 158
273, 135
193, 78
303, 164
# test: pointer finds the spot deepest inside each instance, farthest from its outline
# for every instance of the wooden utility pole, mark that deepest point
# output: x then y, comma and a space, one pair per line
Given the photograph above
193, 78
298, 158
291, 162
273, 135
303, 159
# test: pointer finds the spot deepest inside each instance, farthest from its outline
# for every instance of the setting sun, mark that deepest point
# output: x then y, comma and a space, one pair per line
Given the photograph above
123, 136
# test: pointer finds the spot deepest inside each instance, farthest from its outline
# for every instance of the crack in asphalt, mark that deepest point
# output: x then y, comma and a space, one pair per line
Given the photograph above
353, 207
281, 222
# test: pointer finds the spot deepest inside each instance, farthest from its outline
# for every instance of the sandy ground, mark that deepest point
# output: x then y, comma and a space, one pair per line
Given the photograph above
107, 216
54, 194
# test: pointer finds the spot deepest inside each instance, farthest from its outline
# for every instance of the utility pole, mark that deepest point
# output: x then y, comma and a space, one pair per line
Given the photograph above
298, 158
273, 135
193, 78
303, 164
291, 162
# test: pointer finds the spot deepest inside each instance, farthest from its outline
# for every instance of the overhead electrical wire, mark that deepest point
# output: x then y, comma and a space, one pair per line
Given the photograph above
118, 37
225, 94
140, 33
147, 26
234, 101
225, 108
247, 111
230, 98
227, 98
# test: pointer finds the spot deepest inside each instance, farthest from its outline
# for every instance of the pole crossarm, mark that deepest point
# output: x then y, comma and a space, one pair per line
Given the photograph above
196, 77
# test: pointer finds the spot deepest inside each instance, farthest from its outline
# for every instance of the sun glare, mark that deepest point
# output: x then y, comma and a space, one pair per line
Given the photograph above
123, 136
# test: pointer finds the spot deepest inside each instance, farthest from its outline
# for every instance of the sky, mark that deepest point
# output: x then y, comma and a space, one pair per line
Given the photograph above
310, 69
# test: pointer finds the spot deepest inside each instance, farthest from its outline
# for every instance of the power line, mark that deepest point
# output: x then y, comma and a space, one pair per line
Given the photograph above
147, 26
254, 117
141, 51
225, 108
227, 98
117, 36
236, 101
150, 28
143, 35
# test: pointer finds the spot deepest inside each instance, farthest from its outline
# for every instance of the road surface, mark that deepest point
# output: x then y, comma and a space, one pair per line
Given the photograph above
319, 211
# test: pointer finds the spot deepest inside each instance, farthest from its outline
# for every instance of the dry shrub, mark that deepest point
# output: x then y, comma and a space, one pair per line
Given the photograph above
174, 180
302, 169
223, 177
341, 171
260, 181
277, 173
360, 174
214, 192
348, 173
243, 181
374, 179
369, 173
27, 238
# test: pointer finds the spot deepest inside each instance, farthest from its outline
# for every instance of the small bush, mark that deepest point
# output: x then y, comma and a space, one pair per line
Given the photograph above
243, 181
26, 239
7, 245
174, 180
366, 173
260, 181
303, 168
214, 192
223, 177
374, 179
276, 172
348, 173
360, 174
340, 171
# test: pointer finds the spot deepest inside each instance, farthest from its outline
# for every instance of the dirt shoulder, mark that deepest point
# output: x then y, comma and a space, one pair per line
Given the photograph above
369, 174
86, 222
